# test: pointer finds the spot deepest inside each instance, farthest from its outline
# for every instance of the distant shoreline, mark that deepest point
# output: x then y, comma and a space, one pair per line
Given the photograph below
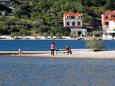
7, 37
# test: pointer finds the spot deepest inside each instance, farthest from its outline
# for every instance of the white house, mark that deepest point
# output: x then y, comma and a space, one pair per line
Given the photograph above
108, 24
75, 22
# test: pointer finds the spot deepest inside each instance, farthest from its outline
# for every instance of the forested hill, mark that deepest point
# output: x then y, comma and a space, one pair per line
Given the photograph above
46, 15
56, 8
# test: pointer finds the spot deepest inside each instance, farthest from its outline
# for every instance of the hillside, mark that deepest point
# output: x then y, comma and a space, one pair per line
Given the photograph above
45, 16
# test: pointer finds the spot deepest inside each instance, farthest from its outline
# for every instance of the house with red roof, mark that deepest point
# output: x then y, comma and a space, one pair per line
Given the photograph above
74, 21
108, 23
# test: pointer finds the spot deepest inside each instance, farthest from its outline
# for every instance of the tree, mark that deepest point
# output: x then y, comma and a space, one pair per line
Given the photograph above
24, 32
23, 10
43, 29
58, 35
48, 15
14, 35
110, 4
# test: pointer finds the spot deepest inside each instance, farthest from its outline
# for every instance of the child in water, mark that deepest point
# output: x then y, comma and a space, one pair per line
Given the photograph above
68, 49
19, 51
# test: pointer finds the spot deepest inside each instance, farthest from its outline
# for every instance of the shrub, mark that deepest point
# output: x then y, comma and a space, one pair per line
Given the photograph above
94, 44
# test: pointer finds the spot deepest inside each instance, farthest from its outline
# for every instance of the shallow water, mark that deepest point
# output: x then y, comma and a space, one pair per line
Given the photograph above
44, 45
28, 71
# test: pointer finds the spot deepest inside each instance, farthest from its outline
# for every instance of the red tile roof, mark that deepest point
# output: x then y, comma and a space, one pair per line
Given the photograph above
73, 14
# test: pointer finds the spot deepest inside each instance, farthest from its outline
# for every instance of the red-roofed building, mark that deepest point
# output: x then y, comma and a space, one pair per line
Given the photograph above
108, 23
106, 17
74, 22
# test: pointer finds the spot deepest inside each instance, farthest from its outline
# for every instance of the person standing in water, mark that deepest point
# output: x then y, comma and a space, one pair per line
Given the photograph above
19, 51
52, 48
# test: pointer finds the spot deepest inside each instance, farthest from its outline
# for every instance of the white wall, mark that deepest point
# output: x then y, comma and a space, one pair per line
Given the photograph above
76, 20
83, 31
77, 27
102, 20
111, 25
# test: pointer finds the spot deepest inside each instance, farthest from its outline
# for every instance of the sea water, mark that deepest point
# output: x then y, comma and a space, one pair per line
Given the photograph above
44, 45
29, 71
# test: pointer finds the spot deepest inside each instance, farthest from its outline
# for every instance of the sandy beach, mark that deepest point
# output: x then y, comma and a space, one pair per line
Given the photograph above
77, 53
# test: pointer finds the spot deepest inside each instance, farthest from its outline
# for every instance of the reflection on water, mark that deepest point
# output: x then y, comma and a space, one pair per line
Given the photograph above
59, 72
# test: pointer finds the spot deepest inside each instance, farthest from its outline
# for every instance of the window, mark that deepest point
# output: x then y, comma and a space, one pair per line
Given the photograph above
106, 17
112, 15
79, 16
106, 23
72, 17
78, 23
67, 23
73, 23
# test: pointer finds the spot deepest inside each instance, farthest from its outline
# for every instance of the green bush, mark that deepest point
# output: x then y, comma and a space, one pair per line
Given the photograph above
94, 44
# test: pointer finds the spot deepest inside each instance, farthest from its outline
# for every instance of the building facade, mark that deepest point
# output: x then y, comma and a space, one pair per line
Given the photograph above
75, 22
112, 25
108, 23
106, 17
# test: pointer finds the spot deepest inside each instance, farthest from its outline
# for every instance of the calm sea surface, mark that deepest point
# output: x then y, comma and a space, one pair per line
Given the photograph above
22, 71
44, 45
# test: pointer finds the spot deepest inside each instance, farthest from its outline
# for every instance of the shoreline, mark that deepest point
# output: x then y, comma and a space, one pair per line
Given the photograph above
83, 53
8, 37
